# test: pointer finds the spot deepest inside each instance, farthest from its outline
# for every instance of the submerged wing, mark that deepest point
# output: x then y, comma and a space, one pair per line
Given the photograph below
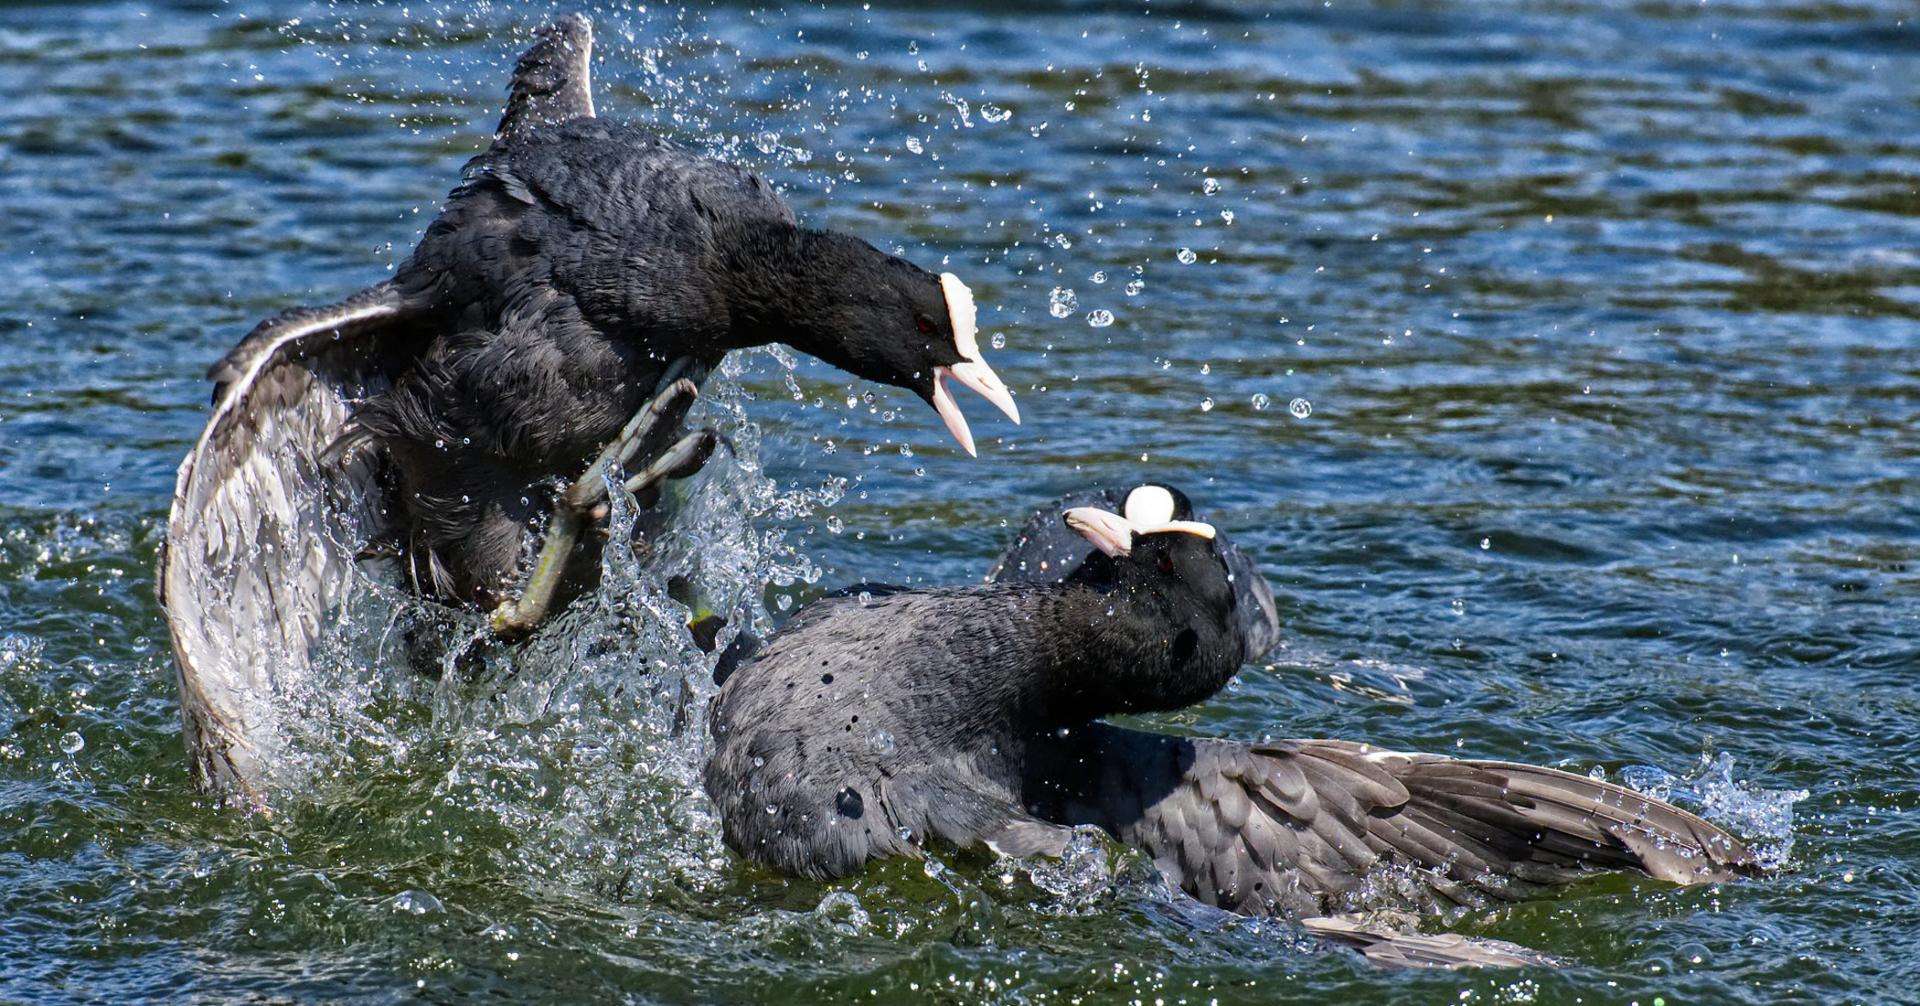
265, 525
1316, 827
553, 82
1046, 550
1390, 947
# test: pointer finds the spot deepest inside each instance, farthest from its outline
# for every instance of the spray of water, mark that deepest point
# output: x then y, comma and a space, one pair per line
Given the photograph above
579, 751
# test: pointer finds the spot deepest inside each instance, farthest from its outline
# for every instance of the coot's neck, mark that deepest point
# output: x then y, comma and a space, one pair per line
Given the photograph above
1127, 649
786, 285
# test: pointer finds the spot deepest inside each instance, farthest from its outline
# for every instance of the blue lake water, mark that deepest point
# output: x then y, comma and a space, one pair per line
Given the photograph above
1560, 363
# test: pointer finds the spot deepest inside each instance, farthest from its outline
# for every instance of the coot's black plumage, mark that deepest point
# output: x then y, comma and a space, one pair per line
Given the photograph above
578, 268
1047, 551
868, 727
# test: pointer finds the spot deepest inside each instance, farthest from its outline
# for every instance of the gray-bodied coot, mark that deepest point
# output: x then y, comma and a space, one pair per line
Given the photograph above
871, 725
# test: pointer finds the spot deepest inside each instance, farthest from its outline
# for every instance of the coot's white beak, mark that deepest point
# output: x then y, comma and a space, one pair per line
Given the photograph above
1113, 534
972, 371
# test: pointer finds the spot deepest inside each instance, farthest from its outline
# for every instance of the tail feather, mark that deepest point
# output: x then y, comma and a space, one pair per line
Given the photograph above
553, 82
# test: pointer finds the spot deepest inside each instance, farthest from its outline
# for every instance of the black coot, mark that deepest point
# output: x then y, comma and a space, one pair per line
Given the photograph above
554, 320
872, 725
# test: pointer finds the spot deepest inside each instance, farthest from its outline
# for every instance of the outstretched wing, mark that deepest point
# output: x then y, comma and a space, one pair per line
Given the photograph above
1313, 827
267, 519
553, 81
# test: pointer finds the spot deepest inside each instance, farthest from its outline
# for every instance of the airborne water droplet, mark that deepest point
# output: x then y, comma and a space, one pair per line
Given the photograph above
999, 340
72, 742
1261, 401
1061, 302
1186, 256
1300, 407
1100, 318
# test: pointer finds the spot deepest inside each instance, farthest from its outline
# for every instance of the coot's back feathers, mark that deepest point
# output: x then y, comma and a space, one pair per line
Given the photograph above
828, 754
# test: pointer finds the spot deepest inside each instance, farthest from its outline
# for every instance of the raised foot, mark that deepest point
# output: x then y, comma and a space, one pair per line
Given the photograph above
649, 435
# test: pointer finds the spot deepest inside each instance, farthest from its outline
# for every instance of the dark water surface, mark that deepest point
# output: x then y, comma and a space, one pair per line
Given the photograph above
1600, 325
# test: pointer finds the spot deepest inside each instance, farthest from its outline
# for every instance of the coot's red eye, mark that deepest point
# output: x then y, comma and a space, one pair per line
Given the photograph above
1166, 564
925, 323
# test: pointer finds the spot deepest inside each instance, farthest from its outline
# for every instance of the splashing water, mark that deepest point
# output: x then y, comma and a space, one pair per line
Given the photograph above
1764, 817
581, 749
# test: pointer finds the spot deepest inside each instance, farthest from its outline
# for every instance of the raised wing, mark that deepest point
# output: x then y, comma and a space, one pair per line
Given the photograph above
267, 520
553, 82
1317, 827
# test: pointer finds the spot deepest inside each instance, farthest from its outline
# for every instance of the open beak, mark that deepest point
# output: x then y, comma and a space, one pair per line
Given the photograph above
1113, 534
972, 370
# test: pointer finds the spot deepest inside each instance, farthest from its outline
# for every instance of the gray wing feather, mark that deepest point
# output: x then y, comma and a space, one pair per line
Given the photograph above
260, 540
1296, 826
553, 82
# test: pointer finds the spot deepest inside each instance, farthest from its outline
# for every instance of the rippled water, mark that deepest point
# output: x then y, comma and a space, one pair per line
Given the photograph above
1558, 360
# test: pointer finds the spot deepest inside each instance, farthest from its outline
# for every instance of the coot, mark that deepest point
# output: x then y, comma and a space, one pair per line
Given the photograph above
872, 725
553, 323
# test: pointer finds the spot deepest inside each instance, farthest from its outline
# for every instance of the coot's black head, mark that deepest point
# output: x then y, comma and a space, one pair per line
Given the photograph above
1171, 592
886, 319
1152, 548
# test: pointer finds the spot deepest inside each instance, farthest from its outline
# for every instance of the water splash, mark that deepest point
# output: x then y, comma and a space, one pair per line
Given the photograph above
1764, 817
578, 752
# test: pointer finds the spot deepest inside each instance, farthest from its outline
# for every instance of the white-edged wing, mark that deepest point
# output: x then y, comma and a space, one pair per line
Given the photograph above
267, 520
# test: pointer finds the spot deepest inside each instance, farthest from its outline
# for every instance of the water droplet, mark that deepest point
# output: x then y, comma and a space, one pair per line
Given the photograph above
999, 340
994, 113
1134, 286
1206, 405
1300, 407
1099, 277
1186, 256
914, 144
835, 524
880, 742
1485, 544
1061, 302
1261, 401
772, 809
1100, 318
1226, 217
71, 742
785, 602
1210, 186
417, 903
767, 142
